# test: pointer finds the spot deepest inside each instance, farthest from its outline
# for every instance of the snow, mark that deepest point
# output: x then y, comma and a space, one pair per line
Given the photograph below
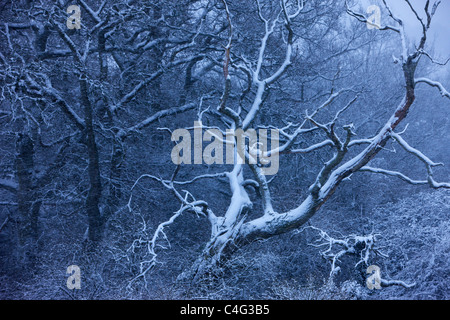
9, 184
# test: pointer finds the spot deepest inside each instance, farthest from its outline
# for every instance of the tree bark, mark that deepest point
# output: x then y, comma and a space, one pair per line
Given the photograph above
222, 245
28, 212
95, 188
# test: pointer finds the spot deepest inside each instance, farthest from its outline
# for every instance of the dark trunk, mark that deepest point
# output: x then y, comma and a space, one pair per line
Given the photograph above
115, 187
25, 168
28, 201
95, 187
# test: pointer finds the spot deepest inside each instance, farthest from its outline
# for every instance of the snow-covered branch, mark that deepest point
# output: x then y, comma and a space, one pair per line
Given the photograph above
314, 147
9, 185
428, 163
188, 203
435, 84
414, 151
158, 115
151, 244
143, 83
365, 247
91, 12
262, 84
264, 190
360, 17
199, 207
394, 174
4, 223
332, 140
362, 246
201, 177
389, 283
49, 91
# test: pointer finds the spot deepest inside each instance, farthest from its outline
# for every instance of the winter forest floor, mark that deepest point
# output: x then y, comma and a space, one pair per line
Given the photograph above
134, 149
414, 236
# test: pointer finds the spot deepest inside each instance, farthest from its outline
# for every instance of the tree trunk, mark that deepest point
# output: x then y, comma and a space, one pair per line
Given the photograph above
28, 203
95, 187
115, 187
25, 168
239, 233
217, 251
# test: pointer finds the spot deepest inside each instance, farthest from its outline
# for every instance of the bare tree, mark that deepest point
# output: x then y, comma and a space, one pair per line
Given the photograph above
233, 228
95, 77
86, 116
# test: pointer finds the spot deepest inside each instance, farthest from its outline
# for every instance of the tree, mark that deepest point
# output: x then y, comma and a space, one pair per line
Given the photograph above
346, 155
87, 115
93, 76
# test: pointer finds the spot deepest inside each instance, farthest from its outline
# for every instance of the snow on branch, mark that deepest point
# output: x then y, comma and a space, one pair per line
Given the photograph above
49, 91
299, 5
428, 163
435, 84
333, 140
200, 208
4, 223
262, 84
9, 185
414, 151
364, 246
360, 17
314, 147
394, 174
203, 176
91, 12
147, 265
160, 114
433, 60
132, 94
389, 283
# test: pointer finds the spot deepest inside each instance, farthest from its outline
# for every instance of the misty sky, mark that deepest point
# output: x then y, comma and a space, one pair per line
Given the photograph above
439, 34
440, 27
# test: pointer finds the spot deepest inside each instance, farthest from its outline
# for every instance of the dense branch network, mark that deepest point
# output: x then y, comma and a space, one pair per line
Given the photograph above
232, 229
141, 55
